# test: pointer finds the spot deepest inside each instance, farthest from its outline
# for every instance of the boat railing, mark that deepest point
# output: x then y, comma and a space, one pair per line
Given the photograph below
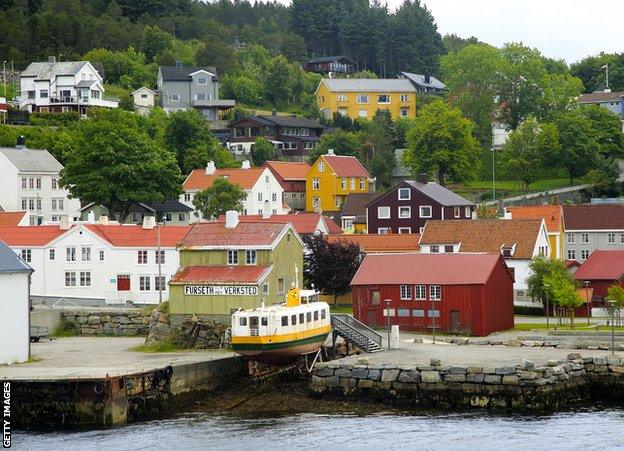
254, 331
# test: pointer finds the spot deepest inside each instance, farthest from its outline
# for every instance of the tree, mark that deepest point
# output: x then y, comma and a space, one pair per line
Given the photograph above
377, 152
602, 180
341, 142
616, 293
539, 269
522, 156
246, 90
578, 151
217, 199
590, 71
185, 130
261, 151
114, 164
563, 292
441, 141
329, 267
607, 127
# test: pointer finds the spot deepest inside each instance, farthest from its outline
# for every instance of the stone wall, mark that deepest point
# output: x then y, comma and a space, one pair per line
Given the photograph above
592, 341
522, 387
191, 332
109, 321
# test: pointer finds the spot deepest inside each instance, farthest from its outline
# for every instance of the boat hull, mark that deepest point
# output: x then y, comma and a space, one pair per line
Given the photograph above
280, 353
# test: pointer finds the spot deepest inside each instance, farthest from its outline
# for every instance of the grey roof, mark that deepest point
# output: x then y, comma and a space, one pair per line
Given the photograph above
31, 160
168, 206
327, 59
48, 71
85, 83
601, 97
369, 84
355, 204
282, 121
173, 73
419, 80
222, 103
439, 193
10, 262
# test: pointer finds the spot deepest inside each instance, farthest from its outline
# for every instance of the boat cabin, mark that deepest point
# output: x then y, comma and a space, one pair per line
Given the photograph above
278, 320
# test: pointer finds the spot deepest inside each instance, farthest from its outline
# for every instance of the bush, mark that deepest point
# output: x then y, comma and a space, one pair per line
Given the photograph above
528, 311
66, 329
54, 119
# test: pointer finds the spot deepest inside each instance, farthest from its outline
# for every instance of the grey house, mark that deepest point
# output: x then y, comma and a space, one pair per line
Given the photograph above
424, 83
591, 227
170, 213
182, 88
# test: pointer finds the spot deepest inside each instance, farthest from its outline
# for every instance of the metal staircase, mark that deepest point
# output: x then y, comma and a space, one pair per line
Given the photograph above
356, 332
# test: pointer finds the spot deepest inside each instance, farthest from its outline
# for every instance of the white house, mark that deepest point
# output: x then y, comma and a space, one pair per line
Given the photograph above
518, 240
56, 87
14, 307
264, 192
144, 99
98, 261
29, 181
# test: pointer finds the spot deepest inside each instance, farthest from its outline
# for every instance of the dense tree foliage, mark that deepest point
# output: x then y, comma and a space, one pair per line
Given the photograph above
222, 196
261, 151
590, 71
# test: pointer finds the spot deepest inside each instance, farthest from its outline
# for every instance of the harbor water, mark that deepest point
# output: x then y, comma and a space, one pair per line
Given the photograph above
585, 428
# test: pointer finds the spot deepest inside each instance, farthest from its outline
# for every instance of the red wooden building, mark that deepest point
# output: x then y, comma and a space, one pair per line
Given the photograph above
602, 269
458, 293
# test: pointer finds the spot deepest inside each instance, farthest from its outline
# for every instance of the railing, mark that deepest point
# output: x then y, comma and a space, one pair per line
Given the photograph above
118, 297
358, 331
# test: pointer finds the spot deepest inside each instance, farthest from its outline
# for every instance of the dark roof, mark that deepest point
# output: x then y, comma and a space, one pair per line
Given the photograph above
434, 191
167, 206
328, 59
602, 265
600, 97
173, 73
281, 121
10, 262
419, 80
593, 217
355, 205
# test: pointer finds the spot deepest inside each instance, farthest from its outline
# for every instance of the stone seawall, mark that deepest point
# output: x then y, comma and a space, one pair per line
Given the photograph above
521, 387
109, 321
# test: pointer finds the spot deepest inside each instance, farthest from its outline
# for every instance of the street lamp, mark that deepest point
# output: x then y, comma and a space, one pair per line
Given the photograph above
493, 174
388, 303
158, 253
611, 303
546, 288
433, 317
586, 285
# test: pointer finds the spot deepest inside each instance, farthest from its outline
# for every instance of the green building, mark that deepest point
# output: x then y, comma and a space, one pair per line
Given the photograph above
229, 265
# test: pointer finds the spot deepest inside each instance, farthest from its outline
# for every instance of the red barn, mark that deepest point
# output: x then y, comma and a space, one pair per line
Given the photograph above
458, 293
602, 269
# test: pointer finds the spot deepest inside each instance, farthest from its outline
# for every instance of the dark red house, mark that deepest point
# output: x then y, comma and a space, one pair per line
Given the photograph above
602, 269
458, 293
407, 206
339, 63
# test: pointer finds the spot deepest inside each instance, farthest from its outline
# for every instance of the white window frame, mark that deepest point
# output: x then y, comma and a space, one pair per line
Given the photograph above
85, 279
571, 254
70, 254
251, 257
362, 113
409, 212
352, 183
70, 279
85, 253
420, 292
383, 230
343, 183
52, 254
584, 254
342, 97
320, 167
611, 238
363, 185
174, 97
283, 283
435, 293
384, 216
456, 212
570, 238
362, 99
202, 78
584, 238
467, 212
316, 183
142, 257
26, 255
145, 283
404, 97
405, 230
387, 101
232, 257
420, 211
404, 190
406, 292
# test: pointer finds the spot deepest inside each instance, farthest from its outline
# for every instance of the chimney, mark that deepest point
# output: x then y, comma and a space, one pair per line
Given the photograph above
427, 77
423, 178
246, 164
330, 152
210, 168
506, 214
91, 216
103, 219
231, 219
149, 222
64, 223
20, 142
273, 113
266, 210
51, 59
178, 64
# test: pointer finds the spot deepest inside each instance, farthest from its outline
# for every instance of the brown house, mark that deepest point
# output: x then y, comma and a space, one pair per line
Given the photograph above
339, 63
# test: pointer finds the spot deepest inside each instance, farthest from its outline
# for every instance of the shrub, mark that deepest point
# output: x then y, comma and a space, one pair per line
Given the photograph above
528, 311
54, 119
66, 329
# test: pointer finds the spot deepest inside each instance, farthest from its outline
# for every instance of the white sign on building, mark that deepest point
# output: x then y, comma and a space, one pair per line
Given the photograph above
220, 290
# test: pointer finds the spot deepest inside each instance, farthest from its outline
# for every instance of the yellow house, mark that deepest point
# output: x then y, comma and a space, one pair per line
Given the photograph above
331, 179
552, 216
362, 97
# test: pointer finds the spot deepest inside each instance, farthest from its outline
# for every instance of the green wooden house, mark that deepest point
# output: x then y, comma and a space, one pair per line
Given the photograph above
229, 265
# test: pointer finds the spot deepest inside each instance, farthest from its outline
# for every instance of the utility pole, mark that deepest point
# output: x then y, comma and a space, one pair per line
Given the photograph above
158, 253
4, 76
493, 174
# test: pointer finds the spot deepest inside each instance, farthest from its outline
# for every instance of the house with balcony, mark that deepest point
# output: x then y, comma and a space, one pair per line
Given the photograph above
425, 83
292, 177
362, 97
29, 181
62, 86
338, 64
293, 137
183, 88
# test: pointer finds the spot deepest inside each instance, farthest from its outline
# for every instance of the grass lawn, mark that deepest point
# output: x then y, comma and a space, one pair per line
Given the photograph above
163, 346
581, 327
540, 185
341, 308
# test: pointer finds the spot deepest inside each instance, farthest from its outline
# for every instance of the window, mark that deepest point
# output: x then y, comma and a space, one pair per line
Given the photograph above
383, 230
404, 97
406, 292
571, 254
434, 248
174, 97
405, 194
375, 297
284, 321
168, 217
159, 283
584, 238
308, 317
162, 257
31, 204
383, 98
242, 321
86, 254
144, 283
448, 249
569, 238
52, 254
60, 204
142, 257
584, 254
342, 97
316, 203
425, 211
55, 183
24, 204
388, 312
101, 255
38, 204
403, 230
418, 313
467, 212
259, 197
420, 292
202, 81
274, 197
343, 183
404, 112
383, 212
250, 257
435, 292
611, 238
43, 93
96, 94
280, 285
31, 183
316, 315
433, 313
621, 237
187, 197
26, 255
456, 212
403, 312
320, 166
70, 279
405, 212
293, 320
352, 183
70, 254
144, 96
316, 183
362, 98
85, 278
363, 185
38, 183
323, 314
301, 318
181, 217
232, 257
24, 182
363, 113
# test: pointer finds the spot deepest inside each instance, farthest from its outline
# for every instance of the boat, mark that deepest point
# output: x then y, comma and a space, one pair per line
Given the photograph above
280, 334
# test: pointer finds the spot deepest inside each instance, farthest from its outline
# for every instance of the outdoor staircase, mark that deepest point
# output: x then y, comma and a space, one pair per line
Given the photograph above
356, 332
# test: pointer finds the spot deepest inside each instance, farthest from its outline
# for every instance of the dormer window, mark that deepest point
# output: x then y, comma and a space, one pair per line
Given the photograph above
507, 251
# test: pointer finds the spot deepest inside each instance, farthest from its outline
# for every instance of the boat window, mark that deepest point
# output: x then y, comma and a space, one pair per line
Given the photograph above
309, 316
323, 314
293, 320
264, 321
284, 321
243, 321
301, 318
316, 315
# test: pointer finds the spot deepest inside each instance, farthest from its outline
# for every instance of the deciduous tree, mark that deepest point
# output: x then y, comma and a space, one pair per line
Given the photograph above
219, 198
261, 151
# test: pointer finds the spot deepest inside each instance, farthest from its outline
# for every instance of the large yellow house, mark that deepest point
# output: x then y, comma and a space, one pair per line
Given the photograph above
331, 179
362, 97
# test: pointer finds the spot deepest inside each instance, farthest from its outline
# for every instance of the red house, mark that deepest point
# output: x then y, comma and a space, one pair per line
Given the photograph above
456, 293
602, 269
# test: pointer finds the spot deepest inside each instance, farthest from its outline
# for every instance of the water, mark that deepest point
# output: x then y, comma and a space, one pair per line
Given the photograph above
582, 429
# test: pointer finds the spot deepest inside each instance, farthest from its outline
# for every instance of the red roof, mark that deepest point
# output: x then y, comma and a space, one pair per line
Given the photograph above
11, 218
442, 269
288, 170
244, 234
346, 166
220, 274
303, 223
593, 217
602, 265
245, 178
332, 226
401, 243
137, 236
30, 236
551, 214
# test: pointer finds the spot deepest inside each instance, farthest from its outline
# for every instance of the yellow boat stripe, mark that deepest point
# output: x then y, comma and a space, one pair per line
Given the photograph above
282, 338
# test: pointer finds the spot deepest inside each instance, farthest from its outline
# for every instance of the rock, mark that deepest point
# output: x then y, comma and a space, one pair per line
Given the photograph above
374, 374
574, 356
93, 320
365, 383
527, 364
409, 377
435, 362
324, 371
417, 340
492, 379
318, 381
479, 401
457, 370
553, 362
558, 370
362, 361
513, 343
506, 370
359, 373
510, 380
454, 377
474, 370
600, 361
332, 381
430, 377
342, 372
528, 343
475, 377
389, 375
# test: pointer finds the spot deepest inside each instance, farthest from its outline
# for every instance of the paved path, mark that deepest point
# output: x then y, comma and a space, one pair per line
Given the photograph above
96, 357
